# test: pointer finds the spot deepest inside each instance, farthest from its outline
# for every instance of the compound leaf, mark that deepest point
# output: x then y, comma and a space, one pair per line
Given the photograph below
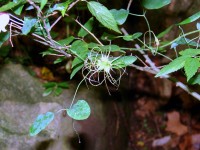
195, 80
190, 52
173, 66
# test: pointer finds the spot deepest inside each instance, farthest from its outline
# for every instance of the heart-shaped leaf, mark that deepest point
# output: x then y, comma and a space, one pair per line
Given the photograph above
79, 111
40, 123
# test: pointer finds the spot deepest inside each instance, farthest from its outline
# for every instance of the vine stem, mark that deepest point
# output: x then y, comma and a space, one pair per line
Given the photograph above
186, 34
77, 90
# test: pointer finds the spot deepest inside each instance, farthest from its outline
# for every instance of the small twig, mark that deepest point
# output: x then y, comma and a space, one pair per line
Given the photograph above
86, 30
72, 5
55, 23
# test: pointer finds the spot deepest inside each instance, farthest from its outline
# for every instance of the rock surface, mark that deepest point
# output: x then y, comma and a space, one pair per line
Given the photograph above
21, 101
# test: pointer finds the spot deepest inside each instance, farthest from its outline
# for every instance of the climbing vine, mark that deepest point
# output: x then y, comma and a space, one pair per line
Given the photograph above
98, 59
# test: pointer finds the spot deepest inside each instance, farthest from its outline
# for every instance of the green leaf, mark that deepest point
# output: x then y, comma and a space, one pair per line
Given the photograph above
93, 45
80, 49
29, 23
76, 61
79, 111
191, 67
120, 15
11, 5
4, 36
190, 52
49, 84
155, 4
59, 60
43, 3
64, 85
132, 37
186, 41
173, 66
195, 80
47, 92
40, 123
66, 41
48, 52
123, 61
110, 48
88, 25
76, 69
103, 15
108, 37
62, 7
160, 35
192, 18
18, 9
58, 91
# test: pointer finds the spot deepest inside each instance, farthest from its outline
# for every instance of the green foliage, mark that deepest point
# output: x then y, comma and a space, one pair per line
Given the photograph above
190, 52
29, 23
88, 25
132, 37
103, 15
101, 57
80, 49
11, 5
173, 66
124, 61
54, 87
43, 3
79, 111
166, 31
192, 18
191, 67
155, 4
76, 68
40, 123
62, 7
195, 80
4, 37
120, 15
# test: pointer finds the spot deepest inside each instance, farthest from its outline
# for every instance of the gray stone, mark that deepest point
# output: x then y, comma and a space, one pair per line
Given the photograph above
21, 101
